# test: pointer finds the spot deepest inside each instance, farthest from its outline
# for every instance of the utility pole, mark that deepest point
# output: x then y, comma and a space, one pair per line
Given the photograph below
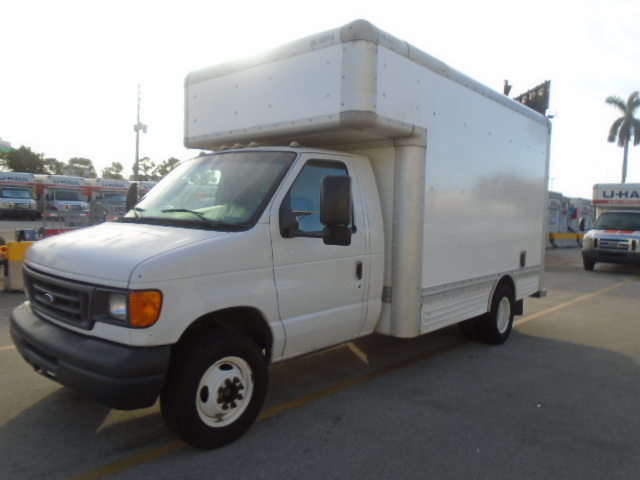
137, 128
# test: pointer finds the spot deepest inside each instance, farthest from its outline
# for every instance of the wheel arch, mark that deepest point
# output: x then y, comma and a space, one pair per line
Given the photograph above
248, 321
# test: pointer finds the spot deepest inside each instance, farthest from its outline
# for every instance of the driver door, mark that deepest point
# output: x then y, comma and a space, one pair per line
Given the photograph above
320, 287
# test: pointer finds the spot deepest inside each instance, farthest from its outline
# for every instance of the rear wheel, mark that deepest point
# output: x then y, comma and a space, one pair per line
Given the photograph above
588, 265
496, 325
215, 389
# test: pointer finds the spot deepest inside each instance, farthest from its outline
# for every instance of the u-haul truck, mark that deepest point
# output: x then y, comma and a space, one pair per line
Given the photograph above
63, 203
378, 190
16, 195
615, 235
62, 193
107, 198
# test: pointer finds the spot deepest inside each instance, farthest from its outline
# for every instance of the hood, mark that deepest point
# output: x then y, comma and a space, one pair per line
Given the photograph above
108, 253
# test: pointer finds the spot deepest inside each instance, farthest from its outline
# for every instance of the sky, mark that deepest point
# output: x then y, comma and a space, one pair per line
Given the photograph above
70, 70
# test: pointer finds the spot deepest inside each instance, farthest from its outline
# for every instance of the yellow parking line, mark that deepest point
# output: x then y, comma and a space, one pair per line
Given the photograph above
562, 262
131, 462
528, 318
358, 353
10, 347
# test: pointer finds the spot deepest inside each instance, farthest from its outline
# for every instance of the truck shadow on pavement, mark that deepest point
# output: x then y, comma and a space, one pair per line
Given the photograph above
538, 405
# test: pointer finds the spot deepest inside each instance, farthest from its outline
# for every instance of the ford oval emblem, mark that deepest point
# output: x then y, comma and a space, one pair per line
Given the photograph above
49, 298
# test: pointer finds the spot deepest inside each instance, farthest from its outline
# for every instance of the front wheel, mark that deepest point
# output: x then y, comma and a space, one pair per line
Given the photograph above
588, 265
496, 325
215, 389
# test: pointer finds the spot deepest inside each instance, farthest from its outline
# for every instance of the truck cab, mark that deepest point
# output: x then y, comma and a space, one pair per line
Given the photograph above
613, 238
66, 200
107, 198
17, 201
16, 195
615, 235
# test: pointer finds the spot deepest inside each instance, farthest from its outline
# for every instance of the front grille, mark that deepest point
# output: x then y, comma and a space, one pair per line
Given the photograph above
73, 207
612, 244
56, 299
19, 205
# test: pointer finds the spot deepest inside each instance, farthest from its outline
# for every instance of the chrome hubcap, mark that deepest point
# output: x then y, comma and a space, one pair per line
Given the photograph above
224, 391
503, 314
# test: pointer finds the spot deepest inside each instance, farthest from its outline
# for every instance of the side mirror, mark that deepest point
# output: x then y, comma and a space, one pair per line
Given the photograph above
581, 224
47, 197
335, 209
132, 196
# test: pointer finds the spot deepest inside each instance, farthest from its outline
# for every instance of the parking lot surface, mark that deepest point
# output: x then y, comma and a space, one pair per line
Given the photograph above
561, 399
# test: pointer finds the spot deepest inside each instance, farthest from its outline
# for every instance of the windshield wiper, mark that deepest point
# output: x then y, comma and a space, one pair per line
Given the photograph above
212, 223
137, 210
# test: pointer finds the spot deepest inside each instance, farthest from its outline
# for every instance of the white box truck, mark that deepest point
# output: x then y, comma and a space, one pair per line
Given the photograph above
418, 201
615, 235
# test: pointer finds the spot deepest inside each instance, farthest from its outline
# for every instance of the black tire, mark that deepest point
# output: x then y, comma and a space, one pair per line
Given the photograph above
588, 266
215, 388
495, 326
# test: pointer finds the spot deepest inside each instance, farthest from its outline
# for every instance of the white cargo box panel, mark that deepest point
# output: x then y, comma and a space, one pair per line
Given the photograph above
17, 178
616, 195
462, 170
61, 180
108, 183
351, 84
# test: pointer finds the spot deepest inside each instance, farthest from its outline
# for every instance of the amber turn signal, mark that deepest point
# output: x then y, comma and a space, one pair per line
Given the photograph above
144, 308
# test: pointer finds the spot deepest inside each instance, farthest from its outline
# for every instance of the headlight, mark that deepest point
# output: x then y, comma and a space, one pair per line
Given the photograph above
4, 205
140, 308
118, 306
144, 308
587, 242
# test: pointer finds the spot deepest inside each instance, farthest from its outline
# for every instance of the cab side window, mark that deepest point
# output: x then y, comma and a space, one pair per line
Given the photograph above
305, 193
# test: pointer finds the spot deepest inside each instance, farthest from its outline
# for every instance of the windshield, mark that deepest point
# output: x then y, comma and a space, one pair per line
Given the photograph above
627, 221
15, 193
69, 195
115, 197
220, 190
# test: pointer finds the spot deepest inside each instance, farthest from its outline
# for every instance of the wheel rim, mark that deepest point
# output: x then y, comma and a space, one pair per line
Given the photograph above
224, 391
503, 315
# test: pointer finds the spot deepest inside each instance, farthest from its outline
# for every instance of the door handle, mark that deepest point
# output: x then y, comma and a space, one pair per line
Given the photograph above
359, 270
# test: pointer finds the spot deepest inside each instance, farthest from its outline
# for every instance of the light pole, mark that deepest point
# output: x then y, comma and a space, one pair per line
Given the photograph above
137, 128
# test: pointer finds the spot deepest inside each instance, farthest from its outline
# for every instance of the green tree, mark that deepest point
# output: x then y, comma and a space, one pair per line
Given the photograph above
113, 171
165, 167
54, 167
25, 161
81, 167
626, 127
146, 170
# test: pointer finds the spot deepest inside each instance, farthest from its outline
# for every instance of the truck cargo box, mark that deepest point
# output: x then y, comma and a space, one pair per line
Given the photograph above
461, 169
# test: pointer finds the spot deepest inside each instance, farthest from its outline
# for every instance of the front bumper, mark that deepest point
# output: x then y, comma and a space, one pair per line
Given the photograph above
607, 256
18, 212
111, 374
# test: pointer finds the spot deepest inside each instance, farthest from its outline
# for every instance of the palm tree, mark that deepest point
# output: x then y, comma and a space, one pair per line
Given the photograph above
626, 127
